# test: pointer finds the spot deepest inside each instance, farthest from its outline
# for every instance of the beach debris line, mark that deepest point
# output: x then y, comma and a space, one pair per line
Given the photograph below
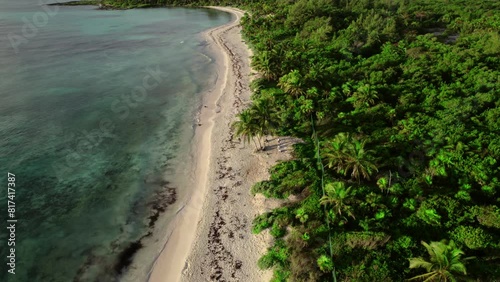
165, 197
162, 199
126, 251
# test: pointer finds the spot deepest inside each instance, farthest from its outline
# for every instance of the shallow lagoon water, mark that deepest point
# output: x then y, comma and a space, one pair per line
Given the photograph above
95, 107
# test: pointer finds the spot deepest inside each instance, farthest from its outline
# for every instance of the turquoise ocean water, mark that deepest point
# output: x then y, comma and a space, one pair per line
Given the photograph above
94, 108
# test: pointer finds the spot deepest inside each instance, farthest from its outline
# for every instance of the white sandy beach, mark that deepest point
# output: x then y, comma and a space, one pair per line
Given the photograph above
210, 238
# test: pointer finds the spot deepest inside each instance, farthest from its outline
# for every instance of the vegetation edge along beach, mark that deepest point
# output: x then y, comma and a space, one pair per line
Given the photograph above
398, 106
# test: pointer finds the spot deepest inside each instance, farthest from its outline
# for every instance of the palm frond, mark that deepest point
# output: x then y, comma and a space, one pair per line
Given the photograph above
421, 263
423, 276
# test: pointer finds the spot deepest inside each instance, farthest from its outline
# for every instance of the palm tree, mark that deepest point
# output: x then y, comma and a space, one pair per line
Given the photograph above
334, 151
345, 153
263, 112
364, 96
292, 83
246, 127
262, 62
337, 196
360, 161
444, 264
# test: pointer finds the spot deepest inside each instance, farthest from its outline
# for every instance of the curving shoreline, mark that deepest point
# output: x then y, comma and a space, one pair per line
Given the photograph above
169, 264
194, 250
224, 248
210, 237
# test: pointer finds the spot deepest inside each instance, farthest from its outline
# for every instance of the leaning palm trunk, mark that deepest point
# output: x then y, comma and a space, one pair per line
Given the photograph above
255, 143
259, 137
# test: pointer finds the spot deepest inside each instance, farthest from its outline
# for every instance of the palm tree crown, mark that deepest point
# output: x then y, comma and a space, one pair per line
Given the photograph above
445, 262
344, 154
338, 196
246, 126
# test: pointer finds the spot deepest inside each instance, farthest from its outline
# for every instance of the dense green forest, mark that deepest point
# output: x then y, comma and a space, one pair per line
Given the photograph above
398, 102
399, 105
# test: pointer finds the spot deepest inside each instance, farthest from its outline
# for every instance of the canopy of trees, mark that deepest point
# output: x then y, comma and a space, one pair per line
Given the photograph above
398, 103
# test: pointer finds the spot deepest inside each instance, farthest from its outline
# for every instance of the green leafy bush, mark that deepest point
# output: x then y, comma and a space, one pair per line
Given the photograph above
325, 263
472, 238
260, 223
